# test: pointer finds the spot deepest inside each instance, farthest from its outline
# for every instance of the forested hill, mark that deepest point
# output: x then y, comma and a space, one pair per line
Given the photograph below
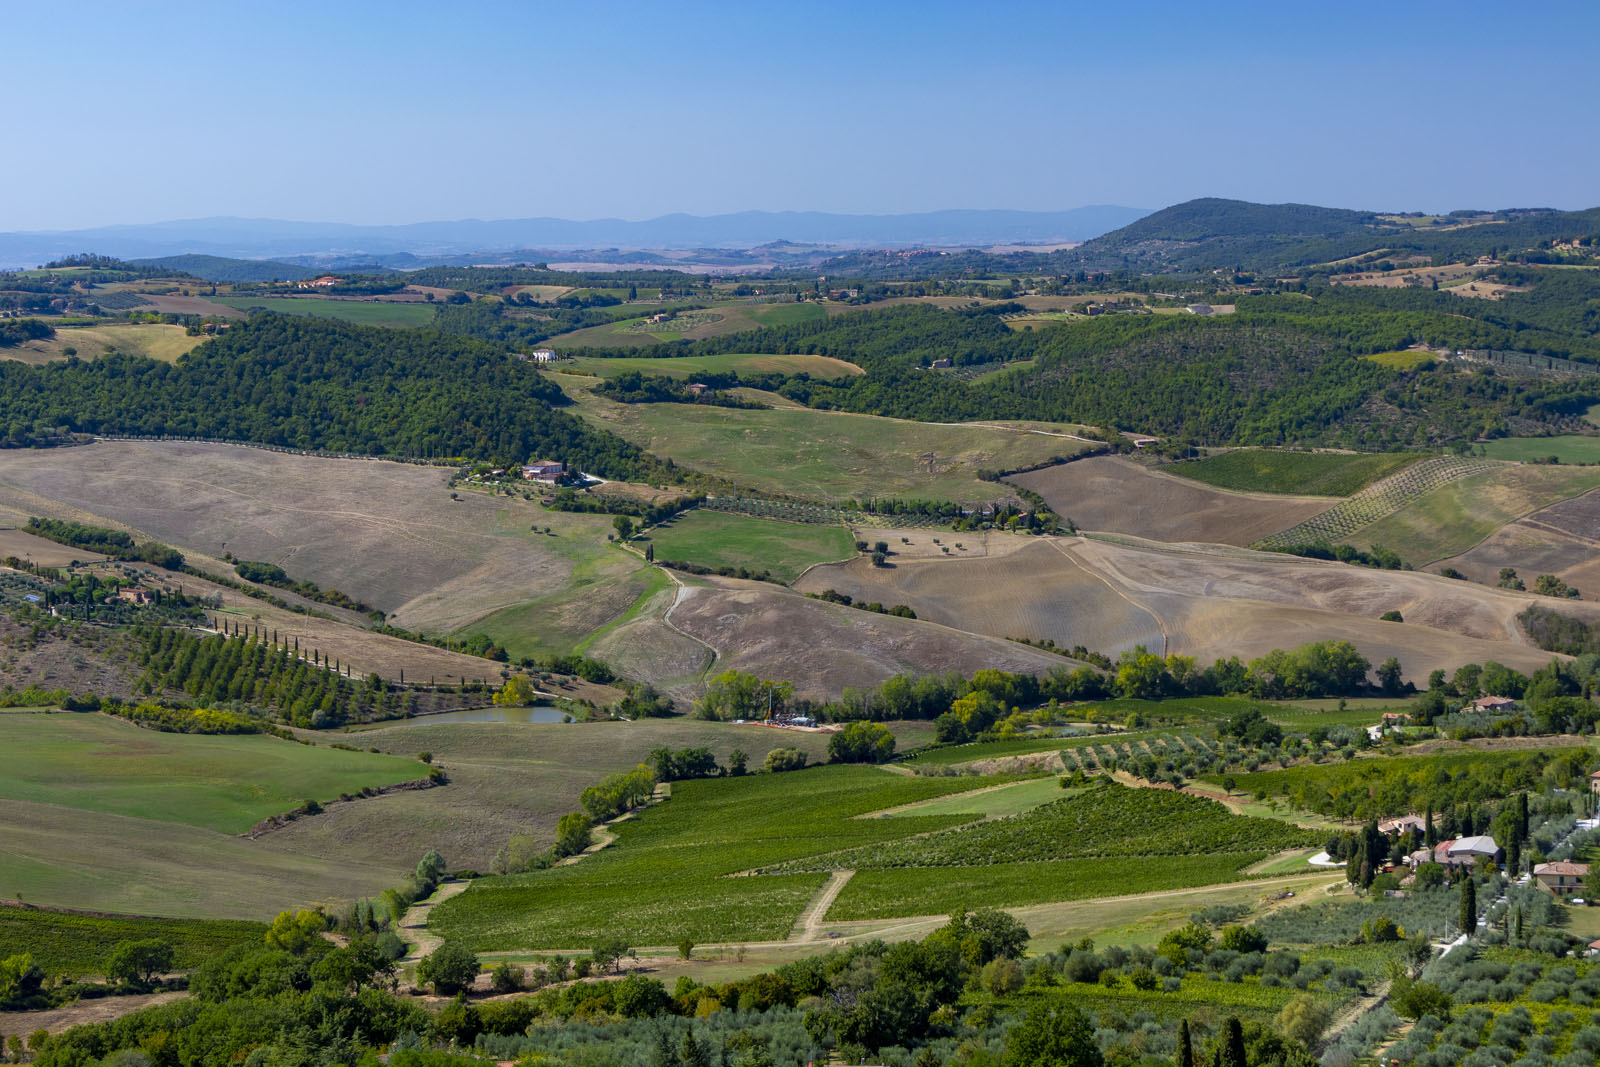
321, 384
1284, 369
223, 269
1203, 234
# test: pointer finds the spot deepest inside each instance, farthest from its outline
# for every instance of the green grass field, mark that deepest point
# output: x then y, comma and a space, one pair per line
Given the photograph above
786, 314
360, 312
821, 454
992, 802
1249, 470
1405, 359
65, 943
717, 539
222, 783
1569, 448
722, 363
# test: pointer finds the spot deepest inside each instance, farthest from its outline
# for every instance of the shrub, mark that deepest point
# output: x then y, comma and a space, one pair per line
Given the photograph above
450, 969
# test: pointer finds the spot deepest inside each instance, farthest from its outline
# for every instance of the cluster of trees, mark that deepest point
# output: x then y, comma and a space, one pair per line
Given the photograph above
631, 387
1559, 698
1554, 632
861, 742
262, 672
618, 793
107, 542
1317, 669
14, 332
319, 384
1377, 556
274, 575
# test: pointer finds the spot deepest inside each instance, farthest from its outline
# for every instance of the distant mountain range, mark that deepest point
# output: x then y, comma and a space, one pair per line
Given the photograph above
423, 242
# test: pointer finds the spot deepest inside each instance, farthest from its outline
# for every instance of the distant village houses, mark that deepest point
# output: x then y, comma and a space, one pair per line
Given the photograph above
327, 281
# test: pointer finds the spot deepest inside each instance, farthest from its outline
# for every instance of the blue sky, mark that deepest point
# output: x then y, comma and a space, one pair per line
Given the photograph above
399, 112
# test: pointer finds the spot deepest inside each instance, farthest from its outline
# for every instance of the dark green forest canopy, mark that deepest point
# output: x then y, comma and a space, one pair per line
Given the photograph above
320, 384
1285, 369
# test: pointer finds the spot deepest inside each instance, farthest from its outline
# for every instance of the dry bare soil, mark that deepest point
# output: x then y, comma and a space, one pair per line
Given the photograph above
1200, 601
1563, 539
1119, 496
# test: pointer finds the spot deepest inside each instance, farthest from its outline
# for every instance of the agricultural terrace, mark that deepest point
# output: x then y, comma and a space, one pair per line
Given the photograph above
1249, 470
717, 539
827, 455
721, 363
1568, 448
360, 312
664, 878
155, 340
215, 782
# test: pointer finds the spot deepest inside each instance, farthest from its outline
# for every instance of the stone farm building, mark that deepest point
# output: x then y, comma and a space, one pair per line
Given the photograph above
1562, 877
545, 471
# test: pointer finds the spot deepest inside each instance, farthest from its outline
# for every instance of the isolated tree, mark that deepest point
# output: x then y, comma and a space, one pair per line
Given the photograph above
573, 833
1469, 906
138, 962
624, 526
450, 969
518, 692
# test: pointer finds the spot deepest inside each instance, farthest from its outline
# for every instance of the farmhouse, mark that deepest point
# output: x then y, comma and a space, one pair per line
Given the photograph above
135, 595
696, 388
940, 364
1563, 878
546, 472
1466, 851
1594, 781
1403, 825
327, 281
1492, 704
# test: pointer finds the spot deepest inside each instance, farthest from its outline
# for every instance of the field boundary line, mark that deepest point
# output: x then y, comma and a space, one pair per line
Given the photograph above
1059, 546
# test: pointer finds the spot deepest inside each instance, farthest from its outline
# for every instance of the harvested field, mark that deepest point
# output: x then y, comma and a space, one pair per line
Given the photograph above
1205, 603
1563, 539
190, 305
723, 363
1120, 496
25, 546
824, 647
923, 542
156, 340
386, 533
1035, 592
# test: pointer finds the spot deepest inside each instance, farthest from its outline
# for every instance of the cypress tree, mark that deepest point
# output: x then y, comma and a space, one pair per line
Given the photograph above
1185, 1049
1233, 1045
1430, 836
1469, 906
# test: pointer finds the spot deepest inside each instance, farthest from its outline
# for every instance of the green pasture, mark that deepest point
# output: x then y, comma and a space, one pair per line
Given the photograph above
786, 314
76, 945
360, 312
721, 363
718, 539
1405, 359
825, 455
1568, 448
1251, 470
222, 783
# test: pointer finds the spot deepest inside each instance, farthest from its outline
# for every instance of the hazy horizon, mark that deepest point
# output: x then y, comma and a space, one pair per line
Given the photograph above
392, 114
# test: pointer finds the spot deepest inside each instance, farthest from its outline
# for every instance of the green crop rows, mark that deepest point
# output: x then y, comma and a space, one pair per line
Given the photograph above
664, 878
1111, 820
64, 943
888, 894
1379, 500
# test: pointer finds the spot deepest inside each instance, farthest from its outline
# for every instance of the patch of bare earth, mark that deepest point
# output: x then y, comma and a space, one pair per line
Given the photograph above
79, 1013
1119, 496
